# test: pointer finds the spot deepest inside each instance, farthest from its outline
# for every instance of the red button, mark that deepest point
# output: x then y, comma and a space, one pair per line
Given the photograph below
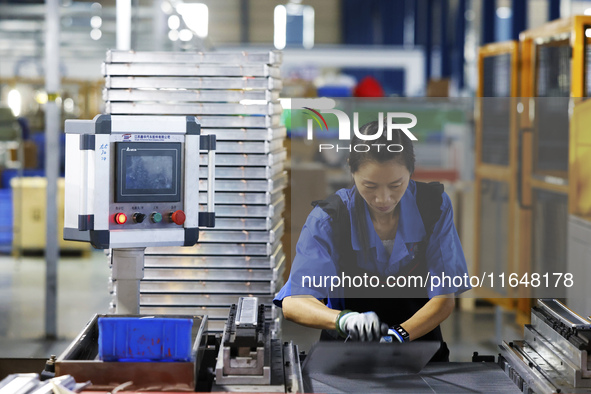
178, 217
120, 218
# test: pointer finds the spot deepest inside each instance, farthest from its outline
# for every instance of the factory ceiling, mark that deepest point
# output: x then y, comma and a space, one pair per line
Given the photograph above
22, 28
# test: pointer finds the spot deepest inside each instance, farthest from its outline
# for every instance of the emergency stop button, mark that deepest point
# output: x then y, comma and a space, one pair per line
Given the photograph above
120, 218
178, 217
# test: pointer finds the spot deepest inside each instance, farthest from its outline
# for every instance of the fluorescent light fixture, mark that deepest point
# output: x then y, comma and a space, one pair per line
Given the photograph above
504, 12
96, 22
587, 11
280, 27
123, 24
299, 30
15, 101
195, 16
96, 34
308, 39
173, 35
185, 35
174, 22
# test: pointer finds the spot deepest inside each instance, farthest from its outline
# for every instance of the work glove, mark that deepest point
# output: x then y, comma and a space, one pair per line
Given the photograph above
361, 326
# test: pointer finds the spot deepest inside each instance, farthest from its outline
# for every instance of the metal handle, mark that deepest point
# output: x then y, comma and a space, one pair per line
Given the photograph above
83, 197
208, 143
211, 180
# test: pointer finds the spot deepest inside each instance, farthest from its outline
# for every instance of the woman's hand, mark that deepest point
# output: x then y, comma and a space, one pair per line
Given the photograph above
362, 326
311, 312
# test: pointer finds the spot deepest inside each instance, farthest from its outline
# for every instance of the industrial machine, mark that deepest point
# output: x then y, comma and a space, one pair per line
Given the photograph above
553, 357
234, 95
249, 359
133, 182
496, 167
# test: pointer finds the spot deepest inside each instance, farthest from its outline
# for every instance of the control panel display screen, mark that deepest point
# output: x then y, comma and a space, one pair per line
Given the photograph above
148, 172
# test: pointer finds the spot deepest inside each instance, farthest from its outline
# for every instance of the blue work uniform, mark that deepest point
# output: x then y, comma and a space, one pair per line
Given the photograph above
317, 255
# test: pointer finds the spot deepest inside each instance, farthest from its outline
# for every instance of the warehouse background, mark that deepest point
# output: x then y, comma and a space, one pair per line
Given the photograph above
387, 48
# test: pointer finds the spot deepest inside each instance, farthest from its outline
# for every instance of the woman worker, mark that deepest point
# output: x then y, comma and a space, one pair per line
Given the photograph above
387, 226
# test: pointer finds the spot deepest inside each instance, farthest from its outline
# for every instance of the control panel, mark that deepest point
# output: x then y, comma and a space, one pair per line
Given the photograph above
133, 181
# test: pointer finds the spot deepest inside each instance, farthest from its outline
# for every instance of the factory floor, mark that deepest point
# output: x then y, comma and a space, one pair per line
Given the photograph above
82, 292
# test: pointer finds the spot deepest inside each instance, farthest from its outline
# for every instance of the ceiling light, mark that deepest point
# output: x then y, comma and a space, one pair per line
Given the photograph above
195, 16
280, 28
504, 12
185, 35
308, 33
173, 35
69, 105
96, 22
15, 101
174, 22
96, 34
166, 7
41, 97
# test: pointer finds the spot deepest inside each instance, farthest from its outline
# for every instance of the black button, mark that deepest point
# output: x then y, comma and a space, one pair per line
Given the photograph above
138, 217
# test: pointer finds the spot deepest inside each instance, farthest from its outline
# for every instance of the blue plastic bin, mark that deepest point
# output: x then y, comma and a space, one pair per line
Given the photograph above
5, 220
137, 339
10, 173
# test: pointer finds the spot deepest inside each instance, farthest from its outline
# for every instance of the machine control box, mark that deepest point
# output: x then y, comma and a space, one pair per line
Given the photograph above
133, 181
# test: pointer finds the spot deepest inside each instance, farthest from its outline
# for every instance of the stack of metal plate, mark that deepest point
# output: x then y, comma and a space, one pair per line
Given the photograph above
234, 96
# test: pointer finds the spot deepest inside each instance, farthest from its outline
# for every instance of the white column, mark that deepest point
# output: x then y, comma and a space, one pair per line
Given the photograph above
124, 25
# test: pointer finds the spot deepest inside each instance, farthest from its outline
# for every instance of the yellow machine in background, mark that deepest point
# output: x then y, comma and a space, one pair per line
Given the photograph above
542, 177
579, 179
579, 207
553, 67
496, 166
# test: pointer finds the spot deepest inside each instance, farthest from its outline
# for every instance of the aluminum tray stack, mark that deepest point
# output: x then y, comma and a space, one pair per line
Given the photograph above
234, 96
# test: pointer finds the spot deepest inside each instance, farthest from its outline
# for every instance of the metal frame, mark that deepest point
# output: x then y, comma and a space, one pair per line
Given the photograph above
572, 29
89, 198
212, 87
498, 173
579, 172
117, 82
272, 57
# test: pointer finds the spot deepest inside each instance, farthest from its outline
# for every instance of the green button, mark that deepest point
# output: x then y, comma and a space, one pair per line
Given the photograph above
156, 217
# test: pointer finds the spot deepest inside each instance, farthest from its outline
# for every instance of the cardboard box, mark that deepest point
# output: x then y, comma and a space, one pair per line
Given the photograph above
438, 88
29, 155
29, 200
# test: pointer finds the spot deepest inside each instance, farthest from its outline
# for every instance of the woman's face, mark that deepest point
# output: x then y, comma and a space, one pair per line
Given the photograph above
382, 185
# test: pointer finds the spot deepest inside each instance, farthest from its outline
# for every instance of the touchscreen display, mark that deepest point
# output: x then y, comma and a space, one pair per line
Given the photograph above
148, 172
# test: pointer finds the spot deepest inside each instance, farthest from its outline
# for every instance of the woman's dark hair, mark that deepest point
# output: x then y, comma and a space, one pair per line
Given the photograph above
406, 156
381, 155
